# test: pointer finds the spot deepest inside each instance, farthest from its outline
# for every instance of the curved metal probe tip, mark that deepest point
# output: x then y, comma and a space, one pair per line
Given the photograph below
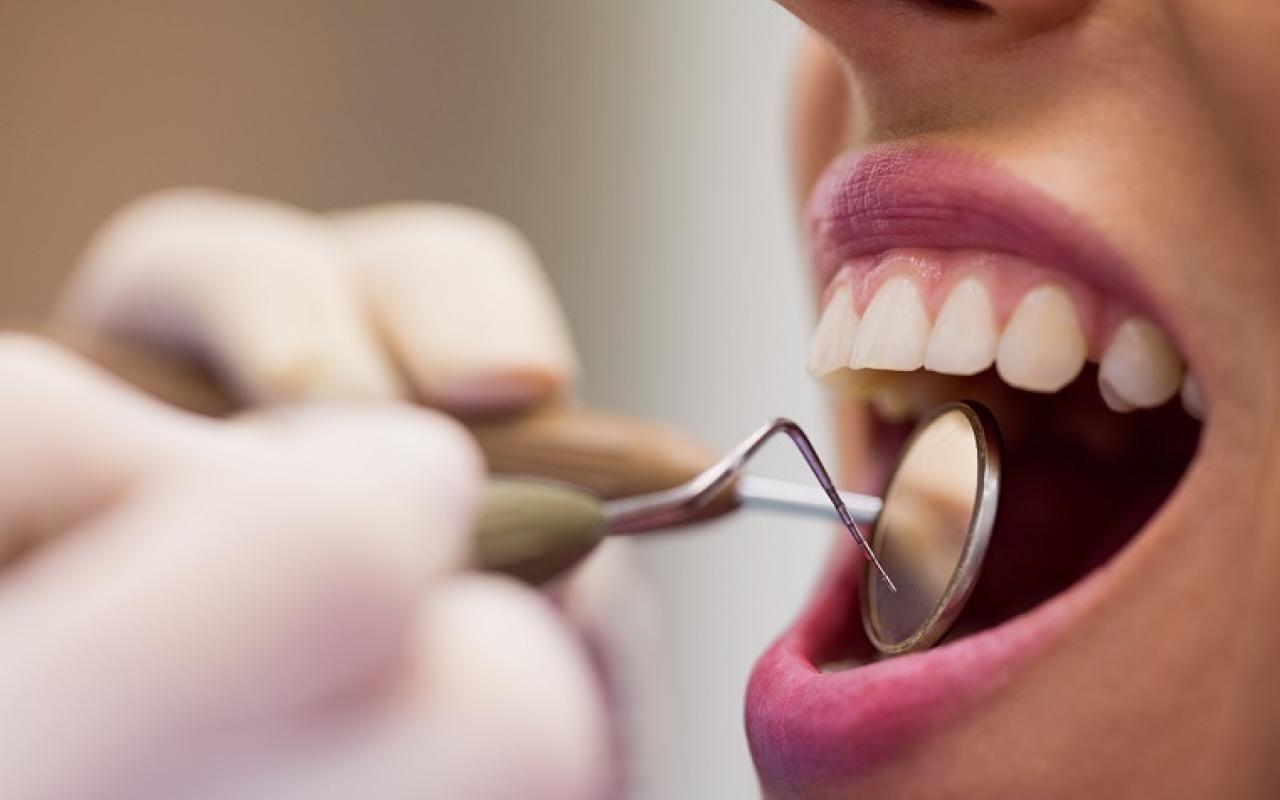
682, 504
819, 471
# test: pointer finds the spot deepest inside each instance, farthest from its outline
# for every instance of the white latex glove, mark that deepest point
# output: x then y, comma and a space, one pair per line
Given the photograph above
438, 303
272, 607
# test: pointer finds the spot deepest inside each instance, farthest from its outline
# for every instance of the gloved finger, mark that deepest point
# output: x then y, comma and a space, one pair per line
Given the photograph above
74, 439
613, 606
281, 568
494, 700
253, 289
463, 304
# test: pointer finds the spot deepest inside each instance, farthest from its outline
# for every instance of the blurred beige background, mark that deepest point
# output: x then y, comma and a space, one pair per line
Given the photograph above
640, 145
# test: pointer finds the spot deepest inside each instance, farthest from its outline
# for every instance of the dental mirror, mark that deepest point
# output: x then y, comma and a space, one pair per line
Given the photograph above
933, 531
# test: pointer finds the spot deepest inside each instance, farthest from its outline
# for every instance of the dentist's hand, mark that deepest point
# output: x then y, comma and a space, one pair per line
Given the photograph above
273, 607
432, 303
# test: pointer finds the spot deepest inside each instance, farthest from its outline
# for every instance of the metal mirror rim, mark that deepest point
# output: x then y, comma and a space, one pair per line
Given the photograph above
986, 499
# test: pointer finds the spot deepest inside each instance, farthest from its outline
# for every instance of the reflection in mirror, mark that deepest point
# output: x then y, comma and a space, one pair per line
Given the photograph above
922, 533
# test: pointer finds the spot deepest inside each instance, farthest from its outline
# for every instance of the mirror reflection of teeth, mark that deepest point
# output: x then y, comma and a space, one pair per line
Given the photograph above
1042, 347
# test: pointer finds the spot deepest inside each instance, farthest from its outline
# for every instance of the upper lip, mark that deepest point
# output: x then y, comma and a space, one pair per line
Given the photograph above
873, 201
800, 720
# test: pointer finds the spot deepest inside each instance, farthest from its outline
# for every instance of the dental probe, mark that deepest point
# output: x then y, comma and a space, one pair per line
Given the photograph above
683, 503
564, 476
932, 528
534, 513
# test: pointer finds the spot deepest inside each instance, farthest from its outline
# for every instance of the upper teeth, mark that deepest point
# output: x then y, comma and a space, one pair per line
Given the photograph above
1139, 368
834, 336
894, 332
964, 336
1042, 348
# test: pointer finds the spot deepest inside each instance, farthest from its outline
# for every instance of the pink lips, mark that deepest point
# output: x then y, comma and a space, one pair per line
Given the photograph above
871, 202
809, 729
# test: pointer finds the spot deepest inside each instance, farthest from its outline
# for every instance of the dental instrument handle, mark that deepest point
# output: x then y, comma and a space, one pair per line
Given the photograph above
539, 515
533, 530
563, 472
608, 455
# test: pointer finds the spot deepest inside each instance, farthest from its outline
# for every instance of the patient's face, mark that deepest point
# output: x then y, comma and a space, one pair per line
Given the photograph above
1071, 210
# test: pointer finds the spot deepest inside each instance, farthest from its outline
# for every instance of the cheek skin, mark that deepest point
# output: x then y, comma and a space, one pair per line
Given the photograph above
1234, 50
820, 111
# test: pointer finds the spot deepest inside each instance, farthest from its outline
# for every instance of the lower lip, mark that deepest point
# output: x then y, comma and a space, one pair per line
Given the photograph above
811, 725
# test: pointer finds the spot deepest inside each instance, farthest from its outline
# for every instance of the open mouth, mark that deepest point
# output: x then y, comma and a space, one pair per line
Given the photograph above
946, 280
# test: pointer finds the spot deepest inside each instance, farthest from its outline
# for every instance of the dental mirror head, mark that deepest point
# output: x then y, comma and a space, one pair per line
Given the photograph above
933, 531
